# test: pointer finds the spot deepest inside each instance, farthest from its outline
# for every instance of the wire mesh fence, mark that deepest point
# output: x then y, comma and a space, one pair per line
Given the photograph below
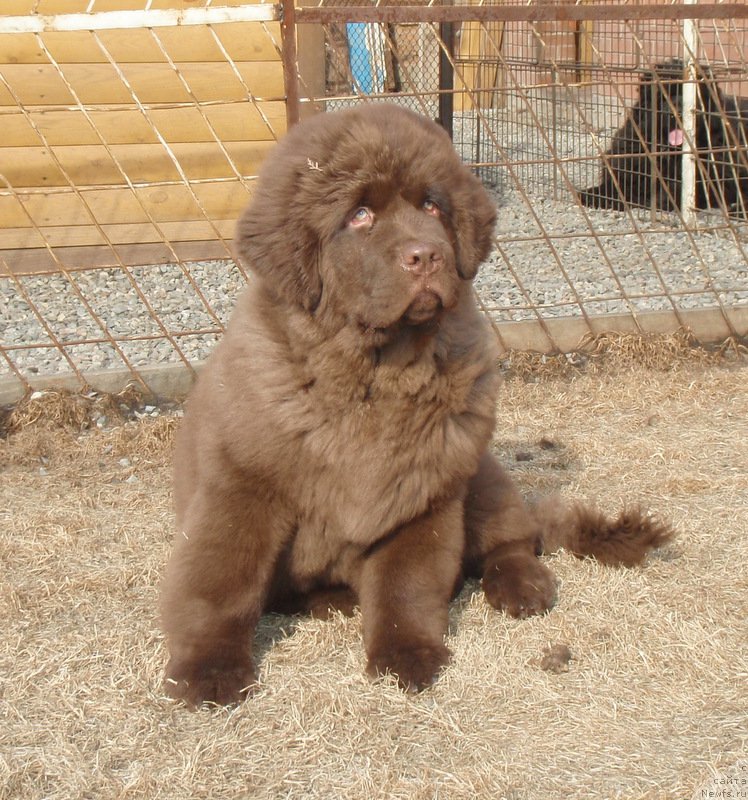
614, 137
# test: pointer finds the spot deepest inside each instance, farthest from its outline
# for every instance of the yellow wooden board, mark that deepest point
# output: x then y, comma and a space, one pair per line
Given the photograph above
246, 41
6, 98
219, 200
11, 7
21, 48
250, 41
586, 54
245, 121
203, 100
31, 261
94, 165
478, 74
44, 6
42, 84
87, 235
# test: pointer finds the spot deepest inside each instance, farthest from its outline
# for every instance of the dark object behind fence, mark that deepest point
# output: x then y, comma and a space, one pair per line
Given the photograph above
644, 164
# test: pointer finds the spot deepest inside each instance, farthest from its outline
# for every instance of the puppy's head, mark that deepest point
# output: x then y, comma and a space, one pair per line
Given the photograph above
368, 213
661, 105
664, 80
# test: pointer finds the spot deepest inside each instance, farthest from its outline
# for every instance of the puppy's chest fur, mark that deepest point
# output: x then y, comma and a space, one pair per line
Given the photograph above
378, 441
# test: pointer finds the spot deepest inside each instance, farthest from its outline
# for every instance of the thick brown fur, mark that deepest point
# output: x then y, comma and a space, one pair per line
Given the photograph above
334, 450
584, 531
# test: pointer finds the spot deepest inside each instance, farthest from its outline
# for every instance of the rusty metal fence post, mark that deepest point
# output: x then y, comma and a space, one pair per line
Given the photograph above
446, 76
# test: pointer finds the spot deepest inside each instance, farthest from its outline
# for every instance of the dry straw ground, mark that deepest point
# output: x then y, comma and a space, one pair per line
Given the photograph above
652, 704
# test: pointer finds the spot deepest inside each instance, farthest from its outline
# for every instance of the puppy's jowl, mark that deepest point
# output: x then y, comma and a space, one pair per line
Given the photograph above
334, 450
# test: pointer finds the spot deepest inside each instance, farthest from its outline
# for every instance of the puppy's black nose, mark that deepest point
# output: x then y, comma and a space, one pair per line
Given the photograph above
421, 258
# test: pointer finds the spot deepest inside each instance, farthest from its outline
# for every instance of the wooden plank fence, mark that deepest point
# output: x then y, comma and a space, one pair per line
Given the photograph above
136, 140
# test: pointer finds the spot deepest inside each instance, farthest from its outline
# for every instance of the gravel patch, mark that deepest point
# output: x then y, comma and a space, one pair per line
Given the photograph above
551, 255
564, 258
146, 311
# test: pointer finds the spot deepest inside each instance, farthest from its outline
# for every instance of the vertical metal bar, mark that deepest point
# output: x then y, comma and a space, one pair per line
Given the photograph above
446, 77
290, 70
657, 178
688, 166
555, 79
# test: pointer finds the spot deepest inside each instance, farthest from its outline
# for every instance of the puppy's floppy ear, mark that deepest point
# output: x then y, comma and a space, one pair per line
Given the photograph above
711, 97
274, 240
280, 249
649, 87
474, 219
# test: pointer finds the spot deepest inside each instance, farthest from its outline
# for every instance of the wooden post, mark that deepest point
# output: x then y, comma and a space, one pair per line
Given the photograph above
290, 70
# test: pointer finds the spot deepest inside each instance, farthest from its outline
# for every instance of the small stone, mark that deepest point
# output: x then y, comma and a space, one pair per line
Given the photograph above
556, 659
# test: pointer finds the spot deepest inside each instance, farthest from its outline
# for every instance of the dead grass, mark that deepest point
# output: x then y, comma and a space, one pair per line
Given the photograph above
621, 351
654, 699
73, 410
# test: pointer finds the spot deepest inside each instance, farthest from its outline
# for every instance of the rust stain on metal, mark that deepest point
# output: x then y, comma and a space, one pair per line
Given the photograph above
535, 13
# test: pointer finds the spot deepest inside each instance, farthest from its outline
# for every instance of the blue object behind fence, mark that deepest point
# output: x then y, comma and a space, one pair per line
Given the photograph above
366, 55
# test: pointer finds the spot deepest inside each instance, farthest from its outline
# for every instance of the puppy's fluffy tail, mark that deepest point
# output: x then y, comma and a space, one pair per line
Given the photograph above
584, 531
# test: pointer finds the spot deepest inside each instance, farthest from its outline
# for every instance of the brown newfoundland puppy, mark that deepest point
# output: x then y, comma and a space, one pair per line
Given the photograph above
334, 451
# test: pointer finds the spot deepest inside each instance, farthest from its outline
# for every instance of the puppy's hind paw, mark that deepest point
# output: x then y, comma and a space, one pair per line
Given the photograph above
520, 587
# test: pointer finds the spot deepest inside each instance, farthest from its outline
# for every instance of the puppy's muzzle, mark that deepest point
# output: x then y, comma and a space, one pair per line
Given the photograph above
421, 258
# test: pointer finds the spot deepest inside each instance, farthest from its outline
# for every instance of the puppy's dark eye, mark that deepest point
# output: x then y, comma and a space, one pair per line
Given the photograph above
430, 207
361, 217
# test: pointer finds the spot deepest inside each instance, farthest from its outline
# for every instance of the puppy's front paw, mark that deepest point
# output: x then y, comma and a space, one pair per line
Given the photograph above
210, 682
416, 668
522, 587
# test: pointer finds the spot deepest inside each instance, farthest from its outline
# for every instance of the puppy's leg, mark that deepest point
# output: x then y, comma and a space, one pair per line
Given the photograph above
405, 587
215, 588
503, 542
